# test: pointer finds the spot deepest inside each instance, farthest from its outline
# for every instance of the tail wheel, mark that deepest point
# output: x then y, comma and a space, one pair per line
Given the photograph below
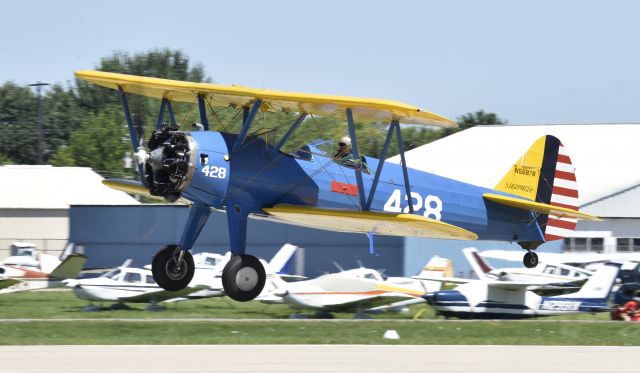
243, 278
530, 259
170, 271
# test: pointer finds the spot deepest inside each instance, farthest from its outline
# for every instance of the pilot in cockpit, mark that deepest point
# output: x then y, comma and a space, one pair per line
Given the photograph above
344, 156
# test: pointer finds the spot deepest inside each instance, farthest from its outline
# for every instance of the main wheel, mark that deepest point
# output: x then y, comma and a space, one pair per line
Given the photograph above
243, 277
530, 259
168, 272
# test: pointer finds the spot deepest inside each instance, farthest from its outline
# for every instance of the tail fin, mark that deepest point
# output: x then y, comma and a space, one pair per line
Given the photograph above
479, 266
545, 174
283, 259
598, 286
437, 266
70, 267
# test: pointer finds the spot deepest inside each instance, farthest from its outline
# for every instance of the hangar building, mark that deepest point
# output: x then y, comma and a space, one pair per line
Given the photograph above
35, 200
605, 157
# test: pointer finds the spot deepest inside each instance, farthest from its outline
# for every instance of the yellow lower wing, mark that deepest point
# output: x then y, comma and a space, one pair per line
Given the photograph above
384, 223
538, 207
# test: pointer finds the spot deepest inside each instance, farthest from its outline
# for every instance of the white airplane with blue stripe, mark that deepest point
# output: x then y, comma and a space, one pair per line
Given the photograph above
487, 299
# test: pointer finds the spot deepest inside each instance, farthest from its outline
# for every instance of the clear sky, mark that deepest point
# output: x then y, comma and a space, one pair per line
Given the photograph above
529, 61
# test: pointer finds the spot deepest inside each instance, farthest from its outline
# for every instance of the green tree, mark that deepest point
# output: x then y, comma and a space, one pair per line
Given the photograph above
159, 63
480, 117
100, 143
18, 107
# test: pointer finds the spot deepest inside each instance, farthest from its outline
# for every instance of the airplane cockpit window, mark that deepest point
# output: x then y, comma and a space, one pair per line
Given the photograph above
564, 271
304, 153
150, 279
114, 275
132, 277
210, 261
1, 270
370, 276
549, 270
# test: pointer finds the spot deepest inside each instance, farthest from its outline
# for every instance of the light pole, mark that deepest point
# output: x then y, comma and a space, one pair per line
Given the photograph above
39, 86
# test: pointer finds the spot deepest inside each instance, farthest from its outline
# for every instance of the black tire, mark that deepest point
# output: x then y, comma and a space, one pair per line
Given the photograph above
243, 278
167, 274
530, 259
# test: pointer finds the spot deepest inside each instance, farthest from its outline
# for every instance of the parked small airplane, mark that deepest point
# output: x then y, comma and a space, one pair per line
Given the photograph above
512, 300
629, 263
125, 284
575, 259
14, 278
559, 274
246, 176
357, 290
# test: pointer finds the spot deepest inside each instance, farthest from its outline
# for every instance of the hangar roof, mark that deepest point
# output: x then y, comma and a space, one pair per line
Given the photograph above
606, 158
47, 187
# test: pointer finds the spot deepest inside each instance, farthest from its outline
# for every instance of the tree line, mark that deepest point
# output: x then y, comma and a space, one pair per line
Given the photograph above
83, 124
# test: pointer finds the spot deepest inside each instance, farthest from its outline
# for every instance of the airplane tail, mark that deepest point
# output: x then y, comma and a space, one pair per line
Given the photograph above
438, 266
598, 286
435, 267
479, 266
70, 267
545, 174
282, 261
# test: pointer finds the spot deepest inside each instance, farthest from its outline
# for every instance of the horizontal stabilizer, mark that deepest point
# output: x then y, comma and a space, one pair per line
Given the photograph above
541, 208
70, 267
384, 223
7, 282
443, 279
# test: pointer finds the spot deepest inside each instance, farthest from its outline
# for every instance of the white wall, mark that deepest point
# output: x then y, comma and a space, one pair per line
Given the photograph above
49, 229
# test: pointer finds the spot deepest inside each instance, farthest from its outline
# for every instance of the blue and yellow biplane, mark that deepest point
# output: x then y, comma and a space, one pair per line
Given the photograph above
535, 202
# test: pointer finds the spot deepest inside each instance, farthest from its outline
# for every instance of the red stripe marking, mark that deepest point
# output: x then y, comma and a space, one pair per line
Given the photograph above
564, 205
343, 188
485, 268
564, 159
565, 192
26, 273
561, 224
565, 175
552, 237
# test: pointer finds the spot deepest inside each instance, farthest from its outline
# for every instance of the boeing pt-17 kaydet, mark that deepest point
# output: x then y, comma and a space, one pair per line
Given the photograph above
246, 176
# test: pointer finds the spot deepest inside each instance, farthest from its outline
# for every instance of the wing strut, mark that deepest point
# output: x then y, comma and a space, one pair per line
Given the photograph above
405, 173
383, 157
203, 112
248, 118
286, 136
135, 143
395, 126
356, 154
165, 103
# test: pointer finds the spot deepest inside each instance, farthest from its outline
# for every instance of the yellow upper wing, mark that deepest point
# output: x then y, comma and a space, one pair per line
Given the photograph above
364, 109
385, 223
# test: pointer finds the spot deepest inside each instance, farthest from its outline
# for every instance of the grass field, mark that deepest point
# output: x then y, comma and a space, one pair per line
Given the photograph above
61, 321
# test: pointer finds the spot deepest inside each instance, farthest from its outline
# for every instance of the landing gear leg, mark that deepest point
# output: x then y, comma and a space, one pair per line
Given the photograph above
173, 266
243, 278
530, 259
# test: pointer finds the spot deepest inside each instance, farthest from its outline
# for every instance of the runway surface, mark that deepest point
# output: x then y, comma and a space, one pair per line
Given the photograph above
317, 358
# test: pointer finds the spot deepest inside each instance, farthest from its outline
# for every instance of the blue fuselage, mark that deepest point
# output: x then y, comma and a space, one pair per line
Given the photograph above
256, 176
